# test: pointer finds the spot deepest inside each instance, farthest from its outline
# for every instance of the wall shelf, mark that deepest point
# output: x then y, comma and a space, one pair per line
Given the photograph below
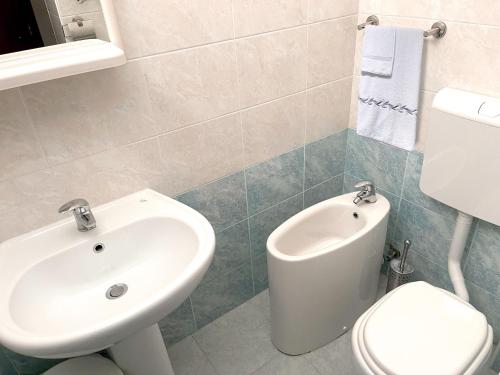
42, 64
62, 60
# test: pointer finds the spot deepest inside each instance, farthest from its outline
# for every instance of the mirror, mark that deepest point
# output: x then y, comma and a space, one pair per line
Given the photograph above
42, 40
29, 24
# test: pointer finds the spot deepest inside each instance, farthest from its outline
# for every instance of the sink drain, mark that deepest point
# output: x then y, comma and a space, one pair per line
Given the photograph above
116, 291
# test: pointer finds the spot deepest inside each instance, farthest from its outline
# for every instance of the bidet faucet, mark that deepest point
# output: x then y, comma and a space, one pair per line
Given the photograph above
367, 193
85, 220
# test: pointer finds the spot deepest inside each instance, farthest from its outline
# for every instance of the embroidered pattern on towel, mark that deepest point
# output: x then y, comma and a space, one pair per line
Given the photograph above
386, 104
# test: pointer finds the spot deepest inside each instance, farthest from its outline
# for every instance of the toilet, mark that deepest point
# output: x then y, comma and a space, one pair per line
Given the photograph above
89, 365
421, 329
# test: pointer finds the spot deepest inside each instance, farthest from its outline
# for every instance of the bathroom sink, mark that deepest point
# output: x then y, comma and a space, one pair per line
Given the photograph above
66, 293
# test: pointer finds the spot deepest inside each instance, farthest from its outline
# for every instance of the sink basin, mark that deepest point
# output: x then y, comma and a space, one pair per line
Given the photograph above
66, 293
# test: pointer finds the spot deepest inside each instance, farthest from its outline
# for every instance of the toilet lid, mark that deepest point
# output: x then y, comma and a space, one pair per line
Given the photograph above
421, 329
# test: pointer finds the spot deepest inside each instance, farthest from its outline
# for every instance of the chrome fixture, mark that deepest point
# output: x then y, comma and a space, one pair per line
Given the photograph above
371, 20
85, 220
400, 272
437, 30
367, 193
116, 291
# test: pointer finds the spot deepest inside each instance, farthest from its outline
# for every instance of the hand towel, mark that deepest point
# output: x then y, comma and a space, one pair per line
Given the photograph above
388, 106
378, 52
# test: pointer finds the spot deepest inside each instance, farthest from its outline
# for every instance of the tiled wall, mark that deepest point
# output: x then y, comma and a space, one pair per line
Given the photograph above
212, 89
230, 105
428, 223
244, 208
467, 58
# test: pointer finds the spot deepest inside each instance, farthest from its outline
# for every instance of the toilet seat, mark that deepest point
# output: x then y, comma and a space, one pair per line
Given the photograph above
421, 329
89, 365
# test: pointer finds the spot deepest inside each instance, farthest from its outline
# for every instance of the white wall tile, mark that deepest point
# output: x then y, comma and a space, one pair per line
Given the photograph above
331, 50
272, 65
369, 7
467, 58
320, 10
328, 109
72, 7
155, 26
113, 173
202, 153
29, 202
274, 128
258, 16
168, 119
20, 151
470, 11
85, 114
191, 86
423, 118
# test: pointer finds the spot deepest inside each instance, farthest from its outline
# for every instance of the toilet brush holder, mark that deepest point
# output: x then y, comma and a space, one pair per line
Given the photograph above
400, 272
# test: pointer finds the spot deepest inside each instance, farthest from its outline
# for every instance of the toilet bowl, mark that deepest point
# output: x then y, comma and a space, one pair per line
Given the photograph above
420, 329
89, 365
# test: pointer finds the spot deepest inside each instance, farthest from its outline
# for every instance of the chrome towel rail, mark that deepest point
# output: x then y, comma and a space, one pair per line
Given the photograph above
437, 30
371, 20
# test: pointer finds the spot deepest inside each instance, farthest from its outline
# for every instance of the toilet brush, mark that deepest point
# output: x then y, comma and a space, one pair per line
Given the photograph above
400, 272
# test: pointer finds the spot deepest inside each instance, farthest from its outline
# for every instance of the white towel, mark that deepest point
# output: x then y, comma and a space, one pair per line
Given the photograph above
388, 106
378, 50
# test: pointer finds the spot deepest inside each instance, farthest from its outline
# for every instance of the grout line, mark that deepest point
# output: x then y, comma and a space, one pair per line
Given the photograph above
393, 234
34, 128
205, 354
347, 154
494, 26
235, 39
233, 19
165, 133
324, 182
447, 218
12, 363
467, 248
192, 312
306, 109
243, 170
248, 231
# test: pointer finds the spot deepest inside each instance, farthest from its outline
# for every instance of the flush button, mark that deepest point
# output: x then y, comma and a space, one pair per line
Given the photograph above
489, 109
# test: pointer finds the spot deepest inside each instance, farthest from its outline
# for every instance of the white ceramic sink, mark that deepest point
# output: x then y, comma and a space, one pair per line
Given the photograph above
53, 299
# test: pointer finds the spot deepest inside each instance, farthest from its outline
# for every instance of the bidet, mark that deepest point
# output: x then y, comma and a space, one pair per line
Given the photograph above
323, 266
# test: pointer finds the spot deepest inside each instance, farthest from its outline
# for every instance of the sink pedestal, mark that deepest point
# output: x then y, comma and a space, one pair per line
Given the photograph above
142, 353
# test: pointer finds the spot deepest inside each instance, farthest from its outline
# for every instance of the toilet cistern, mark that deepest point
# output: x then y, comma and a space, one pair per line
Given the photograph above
367, 193
84, 217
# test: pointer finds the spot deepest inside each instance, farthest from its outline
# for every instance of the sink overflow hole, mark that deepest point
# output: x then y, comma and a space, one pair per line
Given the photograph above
99, 247
355, 215
116, 291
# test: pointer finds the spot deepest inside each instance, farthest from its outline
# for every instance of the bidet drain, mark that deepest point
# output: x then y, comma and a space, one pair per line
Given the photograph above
116, 291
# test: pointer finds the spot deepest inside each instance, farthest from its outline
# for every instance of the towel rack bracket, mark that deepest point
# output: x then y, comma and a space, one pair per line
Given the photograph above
438, 30
371, 20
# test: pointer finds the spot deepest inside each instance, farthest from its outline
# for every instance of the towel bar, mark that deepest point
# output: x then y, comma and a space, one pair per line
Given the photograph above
437, 30
371, 20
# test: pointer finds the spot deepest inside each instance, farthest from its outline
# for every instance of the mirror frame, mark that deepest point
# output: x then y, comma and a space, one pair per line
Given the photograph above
63, 60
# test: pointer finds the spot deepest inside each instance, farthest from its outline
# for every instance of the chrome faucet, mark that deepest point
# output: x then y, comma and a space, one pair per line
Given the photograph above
85, 220
367, 193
